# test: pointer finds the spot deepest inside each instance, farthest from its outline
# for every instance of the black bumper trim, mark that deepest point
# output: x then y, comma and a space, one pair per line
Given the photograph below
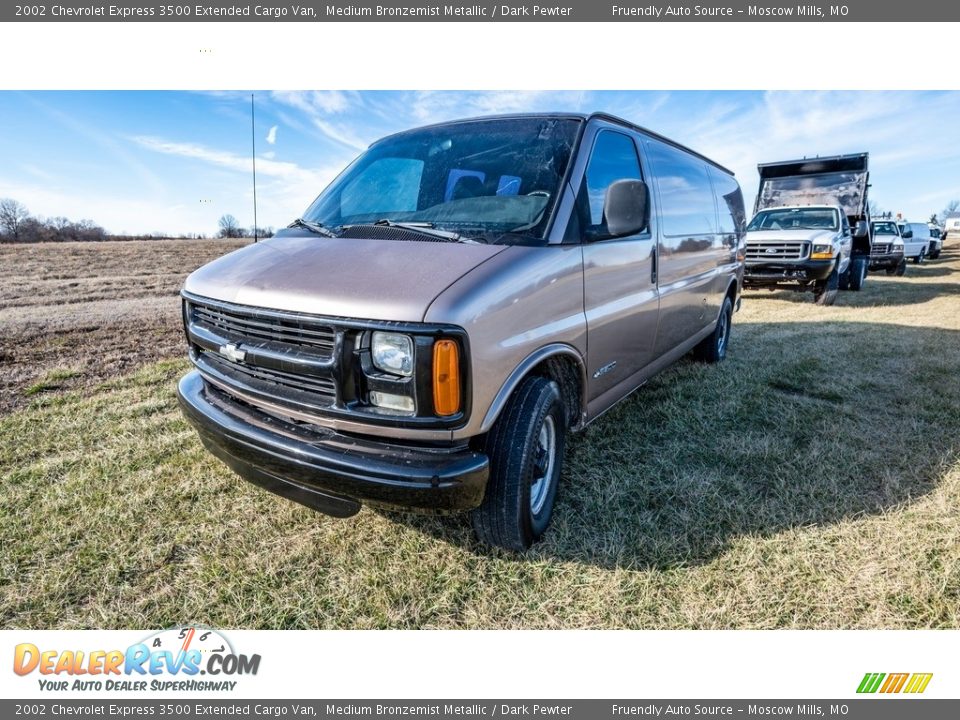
773, 272
328, 471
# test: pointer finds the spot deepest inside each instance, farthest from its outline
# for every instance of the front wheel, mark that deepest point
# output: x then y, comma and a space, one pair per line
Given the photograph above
918, 260
825, 291
525, 448
713, 348
901, 268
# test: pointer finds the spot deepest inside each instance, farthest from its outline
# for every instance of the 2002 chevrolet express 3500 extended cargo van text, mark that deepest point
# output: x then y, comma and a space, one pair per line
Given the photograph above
452, 304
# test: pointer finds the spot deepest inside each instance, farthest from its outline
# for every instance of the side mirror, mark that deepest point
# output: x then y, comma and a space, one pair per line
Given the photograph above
626, 207
906, 234
861, 229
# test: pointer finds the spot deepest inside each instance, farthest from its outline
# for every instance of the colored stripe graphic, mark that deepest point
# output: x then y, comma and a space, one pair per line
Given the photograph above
918, 683
870, 682
894, 683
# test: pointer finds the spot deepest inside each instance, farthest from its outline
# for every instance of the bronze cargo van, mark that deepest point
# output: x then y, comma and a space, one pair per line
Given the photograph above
460, 298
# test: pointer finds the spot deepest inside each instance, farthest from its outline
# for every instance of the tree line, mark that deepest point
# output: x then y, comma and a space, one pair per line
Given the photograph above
17, 225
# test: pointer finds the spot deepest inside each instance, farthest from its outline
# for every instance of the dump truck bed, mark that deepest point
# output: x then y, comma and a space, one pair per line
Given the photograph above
836, 180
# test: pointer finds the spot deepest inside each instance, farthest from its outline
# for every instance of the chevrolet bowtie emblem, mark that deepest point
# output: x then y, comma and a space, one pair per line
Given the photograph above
232, 352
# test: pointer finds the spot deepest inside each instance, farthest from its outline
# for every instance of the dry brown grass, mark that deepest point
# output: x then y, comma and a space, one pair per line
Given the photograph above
100, 309
811, 481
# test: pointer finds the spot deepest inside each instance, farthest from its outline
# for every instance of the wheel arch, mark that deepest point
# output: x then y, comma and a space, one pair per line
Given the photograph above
558, 362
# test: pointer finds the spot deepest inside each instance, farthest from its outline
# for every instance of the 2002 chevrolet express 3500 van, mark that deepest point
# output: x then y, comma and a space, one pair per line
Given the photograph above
452, 305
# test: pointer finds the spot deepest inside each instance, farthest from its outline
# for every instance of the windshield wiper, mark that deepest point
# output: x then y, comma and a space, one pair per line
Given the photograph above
427, 228
312, 227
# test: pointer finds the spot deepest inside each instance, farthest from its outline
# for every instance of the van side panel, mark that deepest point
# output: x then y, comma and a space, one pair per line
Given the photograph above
691, 252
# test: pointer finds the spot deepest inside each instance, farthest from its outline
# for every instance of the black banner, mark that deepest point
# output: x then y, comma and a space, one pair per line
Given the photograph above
545, 11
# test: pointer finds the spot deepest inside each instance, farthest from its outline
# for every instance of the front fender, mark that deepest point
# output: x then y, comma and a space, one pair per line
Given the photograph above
523, 369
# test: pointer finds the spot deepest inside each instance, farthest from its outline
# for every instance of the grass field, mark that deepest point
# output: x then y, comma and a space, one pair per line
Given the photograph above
811, 481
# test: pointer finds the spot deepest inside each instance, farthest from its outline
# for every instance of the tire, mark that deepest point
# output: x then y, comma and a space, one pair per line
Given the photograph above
525, 448
892, 270
844, 282
918, 260
901, 269
713, 348
825, 291
858, 273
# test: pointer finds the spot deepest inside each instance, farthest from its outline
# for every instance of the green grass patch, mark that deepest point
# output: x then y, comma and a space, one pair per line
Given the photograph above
51, 381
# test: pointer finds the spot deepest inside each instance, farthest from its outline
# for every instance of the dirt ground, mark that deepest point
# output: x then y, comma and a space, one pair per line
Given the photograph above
75, 314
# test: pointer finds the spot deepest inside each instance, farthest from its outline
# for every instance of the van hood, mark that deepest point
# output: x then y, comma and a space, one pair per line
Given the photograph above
781, 236
363, 279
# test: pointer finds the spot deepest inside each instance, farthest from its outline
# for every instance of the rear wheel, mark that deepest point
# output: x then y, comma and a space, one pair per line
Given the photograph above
825, 291
713, 348
525, 448
858, 273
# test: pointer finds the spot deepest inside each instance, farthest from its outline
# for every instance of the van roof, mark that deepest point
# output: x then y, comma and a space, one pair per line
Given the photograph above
582, 117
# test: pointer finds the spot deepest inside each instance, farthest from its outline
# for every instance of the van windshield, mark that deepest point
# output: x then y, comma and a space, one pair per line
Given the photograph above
497, 180
795, 219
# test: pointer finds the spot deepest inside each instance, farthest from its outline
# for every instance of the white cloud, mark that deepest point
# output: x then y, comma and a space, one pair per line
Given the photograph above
284, 189
270, 155
272, 136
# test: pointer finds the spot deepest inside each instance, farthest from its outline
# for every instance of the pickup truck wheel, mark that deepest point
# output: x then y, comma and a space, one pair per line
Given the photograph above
713, 348
825, 291
844, 282
858, 273
901, 269
525, 448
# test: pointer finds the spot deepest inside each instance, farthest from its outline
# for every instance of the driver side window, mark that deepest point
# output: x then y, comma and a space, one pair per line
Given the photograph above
614, 157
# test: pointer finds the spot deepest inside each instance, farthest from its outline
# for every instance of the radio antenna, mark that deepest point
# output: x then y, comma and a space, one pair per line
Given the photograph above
253, 157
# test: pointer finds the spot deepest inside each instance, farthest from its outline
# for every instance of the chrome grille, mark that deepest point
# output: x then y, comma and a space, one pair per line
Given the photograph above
774, 252
301, 391
880, 249
260, 325
277, 357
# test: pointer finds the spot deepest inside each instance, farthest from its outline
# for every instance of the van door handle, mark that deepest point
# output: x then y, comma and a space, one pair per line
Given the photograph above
653, 267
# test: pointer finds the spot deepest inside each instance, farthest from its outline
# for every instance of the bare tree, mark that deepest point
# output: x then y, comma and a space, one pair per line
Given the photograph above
951, 207
229, 227
12, 216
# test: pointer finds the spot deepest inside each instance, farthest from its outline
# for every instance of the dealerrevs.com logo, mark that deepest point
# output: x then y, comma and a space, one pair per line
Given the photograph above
178, 659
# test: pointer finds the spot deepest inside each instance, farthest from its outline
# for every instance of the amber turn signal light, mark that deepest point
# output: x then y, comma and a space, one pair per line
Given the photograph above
446, 378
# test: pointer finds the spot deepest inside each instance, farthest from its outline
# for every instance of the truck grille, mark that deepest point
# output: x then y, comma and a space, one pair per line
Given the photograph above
880, 249
281, 358
775, 252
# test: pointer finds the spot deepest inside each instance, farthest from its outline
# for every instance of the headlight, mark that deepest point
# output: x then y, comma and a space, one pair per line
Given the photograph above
392, 353
822, 252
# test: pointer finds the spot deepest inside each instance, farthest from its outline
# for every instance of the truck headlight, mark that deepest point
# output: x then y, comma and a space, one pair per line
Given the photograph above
392, 353
821, 252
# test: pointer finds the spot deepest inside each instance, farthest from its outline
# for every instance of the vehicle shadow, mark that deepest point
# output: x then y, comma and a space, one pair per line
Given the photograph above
879, 291
805, 424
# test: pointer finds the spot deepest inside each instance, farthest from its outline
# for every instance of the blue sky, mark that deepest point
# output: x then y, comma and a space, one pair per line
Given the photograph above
174, 162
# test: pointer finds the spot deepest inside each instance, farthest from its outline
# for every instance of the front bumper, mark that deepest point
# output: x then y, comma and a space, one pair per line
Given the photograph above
772, 273
329, 471
889, 260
